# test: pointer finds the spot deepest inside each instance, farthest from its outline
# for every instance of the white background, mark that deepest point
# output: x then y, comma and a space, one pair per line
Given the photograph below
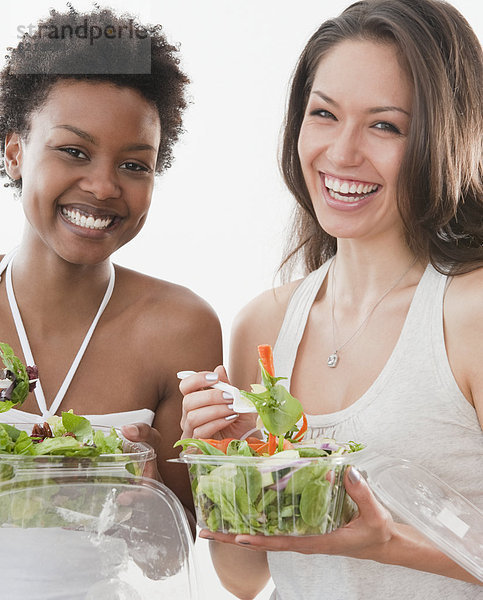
219, 215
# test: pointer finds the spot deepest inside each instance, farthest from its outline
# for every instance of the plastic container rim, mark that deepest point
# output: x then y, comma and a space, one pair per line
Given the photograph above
145, 452
281, 462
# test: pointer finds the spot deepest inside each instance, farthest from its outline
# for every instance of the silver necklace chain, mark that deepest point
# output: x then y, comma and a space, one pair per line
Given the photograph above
333, 359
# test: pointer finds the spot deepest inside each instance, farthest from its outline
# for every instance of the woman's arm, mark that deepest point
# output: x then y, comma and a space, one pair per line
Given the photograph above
463, 332
241, 571
179, 331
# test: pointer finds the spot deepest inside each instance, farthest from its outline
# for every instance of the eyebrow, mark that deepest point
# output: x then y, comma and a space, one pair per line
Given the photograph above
86, 136
83, 134
140, 147
375, 109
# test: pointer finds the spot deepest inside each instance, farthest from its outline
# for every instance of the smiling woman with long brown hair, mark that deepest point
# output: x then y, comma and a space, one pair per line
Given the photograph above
381, 341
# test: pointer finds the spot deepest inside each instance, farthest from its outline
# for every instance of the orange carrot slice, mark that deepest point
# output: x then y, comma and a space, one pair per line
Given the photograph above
266, 356
300, 433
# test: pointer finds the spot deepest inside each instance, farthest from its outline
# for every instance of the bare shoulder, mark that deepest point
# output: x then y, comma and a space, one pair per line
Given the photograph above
170, 320
463, 330
464, 300
158, 297
264, 314
257, 323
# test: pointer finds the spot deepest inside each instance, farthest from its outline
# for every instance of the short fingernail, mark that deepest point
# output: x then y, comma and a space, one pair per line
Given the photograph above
243, 543
131, 429
227, 396
354, 475
206, 536
231, 417
211, 377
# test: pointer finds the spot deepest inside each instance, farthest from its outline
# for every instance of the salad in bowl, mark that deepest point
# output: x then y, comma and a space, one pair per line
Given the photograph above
68, 440
277, 484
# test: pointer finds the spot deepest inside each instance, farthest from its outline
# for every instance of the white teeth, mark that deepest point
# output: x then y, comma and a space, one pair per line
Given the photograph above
88, 222
347, 187
347, 199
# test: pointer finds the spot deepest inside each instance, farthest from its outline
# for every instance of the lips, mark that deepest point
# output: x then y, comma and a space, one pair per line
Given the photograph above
88, 218
348, 190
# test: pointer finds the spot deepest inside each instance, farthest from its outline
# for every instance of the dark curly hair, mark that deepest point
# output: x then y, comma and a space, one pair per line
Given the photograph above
440, 180
97, 46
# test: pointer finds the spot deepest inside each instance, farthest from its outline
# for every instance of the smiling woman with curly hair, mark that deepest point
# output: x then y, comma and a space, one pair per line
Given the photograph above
90, 107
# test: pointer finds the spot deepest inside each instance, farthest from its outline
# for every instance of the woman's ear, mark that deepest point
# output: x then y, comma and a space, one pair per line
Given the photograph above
13, 156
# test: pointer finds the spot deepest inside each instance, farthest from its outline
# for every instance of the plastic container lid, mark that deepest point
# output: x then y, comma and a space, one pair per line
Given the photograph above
422, 500
103, 539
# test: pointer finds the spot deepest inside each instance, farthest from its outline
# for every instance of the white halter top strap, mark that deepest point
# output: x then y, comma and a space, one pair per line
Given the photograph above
5, 260
39, 393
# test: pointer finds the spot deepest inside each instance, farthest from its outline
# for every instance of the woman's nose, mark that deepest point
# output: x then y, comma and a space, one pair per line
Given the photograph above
102, 181
345, 148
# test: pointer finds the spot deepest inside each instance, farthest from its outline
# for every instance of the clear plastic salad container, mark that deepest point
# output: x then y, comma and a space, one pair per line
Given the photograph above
85, 536
281, 494
134, 457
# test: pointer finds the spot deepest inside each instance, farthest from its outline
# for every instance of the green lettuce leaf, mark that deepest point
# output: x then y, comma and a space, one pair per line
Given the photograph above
86, 442
7, 444
108, 444
277, 408
6, 405
15, 365
56, 426
202, 446
66, 446
24, 444
79, 426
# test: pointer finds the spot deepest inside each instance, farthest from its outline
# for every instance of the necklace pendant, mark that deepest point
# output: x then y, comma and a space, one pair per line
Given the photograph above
333, 360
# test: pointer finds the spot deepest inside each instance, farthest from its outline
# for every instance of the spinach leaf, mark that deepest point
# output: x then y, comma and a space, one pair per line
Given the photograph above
314, 502
239, 448
303, 476
277, 408
204, 447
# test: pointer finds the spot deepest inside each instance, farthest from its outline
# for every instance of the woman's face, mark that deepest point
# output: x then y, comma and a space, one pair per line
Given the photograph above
87, 169
353, 137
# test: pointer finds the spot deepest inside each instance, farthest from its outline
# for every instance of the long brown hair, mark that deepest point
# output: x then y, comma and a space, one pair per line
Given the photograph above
439, 190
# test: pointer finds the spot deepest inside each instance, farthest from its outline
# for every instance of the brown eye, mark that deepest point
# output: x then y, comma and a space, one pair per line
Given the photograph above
74, 152
136, 167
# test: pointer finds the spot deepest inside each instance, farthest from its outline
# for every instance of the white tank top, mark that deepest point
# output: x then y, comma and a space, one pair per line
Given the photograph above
414, 410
